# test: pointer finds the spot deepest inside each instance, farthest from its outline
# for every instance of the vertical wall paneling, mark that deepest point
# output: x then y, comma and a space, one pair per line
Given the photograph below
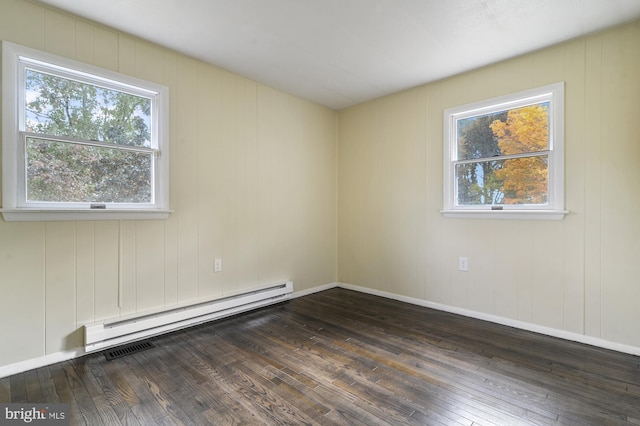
210, 163
85, 272
514, 75
455, 246
185, 154
244, 186
60, 287
549, 65
23, 22
105, 43
127, 268
248, 185
149, 258
126, 55
229, 152
171, 224
85, 43
575, 188
22, 306
385, 171
547, 241
522, 240
270, 254
481, 250
149, 61
107, 249
433, 194
593, 180
621, 184
417, 251
505, 266
368, 208
288, 171
59, 34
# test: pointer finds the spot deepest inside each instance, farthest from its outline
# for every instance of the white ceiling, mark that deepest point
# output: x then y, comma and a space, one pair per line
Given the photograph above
342, 52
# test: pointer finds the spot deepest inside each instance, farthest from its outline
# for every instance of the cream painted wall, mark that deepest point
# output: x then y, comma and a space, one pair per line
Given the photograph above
579, 275
253, 181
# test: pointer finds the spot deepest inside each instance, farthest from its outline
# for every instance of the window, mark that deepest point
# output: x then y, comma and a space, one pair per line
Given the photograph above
80, 142
504, 157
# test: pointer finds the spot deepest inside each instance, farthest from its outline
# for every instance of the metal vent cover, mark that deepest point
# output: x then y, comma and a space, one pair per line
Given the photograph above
128, 349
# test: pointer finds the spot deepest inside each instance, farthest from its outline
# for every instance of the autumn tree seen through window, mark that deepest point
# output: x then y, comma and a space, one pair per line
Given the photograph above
505, 155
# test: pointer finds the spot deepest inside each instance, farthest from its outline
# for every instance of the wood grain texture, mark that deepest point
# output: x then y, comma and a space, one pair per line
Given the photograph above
342, 357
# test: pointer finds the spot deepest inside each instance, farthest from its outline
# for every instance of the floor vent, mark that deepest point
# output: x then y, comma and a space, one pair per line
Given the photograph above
129, 349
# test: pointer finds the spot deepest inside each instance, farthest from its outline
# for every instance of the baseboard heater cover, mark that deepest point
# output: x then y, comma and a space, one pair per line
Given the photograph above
101, 336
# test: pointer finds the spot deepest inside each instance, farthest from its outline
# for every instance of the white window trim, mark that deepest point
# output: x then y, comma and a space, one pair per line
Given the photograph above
554, 209
13, 205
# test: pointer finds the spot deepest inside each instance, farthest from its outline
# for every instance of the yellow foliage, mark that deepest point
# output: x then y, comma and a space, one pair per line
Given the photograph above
525, 180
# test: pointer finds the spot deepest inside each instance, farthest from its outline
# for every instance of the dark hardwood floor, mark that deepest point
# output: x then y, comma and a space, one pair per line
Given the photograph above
345, 358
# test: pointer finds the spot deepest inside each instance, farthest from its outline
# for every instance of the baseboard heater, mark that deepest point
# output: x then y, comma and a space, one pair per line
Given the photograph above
100, 336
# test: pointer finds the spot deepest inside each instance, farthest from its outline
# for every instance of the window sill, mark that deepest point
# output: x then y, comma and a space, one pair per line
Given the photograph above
506, 214
38, 215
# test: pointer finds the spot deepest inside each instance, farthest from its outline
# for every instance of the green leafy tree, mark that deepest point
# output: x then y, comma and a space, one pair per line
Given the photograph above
60, 171
62, 107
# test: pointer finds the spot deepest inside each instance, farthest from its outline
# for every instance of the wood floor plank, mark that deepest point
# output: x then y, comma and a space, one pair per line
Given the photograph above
82, 409
88, 379
148, 405
161, 405
47, 385
32, 386
179, 402
340, 357
18, 388
5, 390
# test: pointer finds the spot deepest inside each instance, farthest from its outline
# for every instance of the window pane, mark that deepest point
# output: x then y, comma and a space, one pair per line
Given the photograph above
513, 181
515, 131
74, 173
63, 107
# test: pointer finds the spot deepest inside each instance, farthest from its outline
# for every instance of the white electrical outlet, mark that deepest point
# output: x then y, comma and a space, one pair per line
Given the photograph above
217, 265
463, 264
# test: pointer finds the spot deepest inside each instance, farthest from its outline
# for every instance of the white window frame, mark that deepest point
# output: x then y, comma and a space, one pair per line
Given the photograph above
15, 206
554, 209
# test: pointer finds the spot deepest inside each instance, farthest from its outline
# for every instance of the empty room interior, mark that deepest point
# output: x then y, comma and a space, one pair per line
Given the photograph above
321, 212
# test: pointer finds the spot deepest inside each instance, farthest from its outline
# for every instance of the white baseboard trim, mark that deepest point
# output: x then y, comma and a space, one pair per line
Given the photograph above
553, 332
317, 289
30, 364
